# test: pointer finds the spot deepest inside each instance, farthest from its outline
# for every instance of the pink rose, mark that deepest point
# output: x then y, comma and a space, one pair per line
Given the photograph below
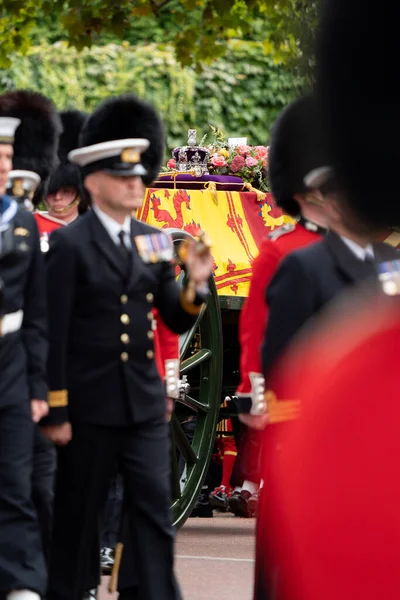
261, 152
171, 164
251, 162
218, 161
237, 163
243, 150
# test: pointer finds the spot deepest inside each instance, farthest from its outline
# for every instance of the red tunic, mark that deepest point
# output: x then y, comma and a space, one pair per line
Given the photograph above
46, 223
254, 313
330, 521
166, 344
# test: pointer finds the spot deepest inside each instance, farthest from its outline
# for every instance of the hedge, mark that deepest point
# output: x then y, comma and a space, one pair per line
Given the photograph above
241, 93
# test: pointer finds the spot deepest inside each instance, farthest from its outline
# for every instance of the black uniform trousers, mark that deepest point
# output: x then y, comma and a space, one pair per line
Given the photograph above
43, 478
248, 463
115, 529
113, 512
21, 560
85, 467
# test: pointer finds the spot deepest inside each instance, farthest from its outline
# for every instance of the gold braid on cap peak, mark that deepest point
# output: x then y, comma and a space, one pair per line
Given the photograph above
130, 156
6, 139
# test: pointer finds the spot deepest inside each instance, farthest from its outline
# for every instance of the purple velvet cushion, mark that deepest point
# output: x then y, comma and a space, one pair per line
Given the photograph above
189, 182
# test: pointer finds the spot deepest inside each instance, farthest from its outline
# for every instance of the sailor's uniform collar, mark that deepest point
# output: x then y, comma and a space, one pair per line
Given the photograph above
8, 210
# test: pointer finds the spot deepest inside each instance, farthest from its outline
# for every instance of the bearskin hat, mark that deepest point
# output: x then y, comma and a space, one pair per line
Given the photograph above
36, 139
128, 117
66, 174
296, 147
360, 98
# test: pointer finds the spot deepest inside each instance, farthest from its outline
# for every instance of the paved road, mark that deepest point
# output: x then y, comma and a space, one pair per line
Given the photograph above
214, 558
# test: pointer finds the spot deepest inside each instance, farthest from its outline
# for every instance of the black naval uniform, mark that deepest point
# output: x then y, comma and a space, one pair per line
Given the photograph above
102, 352
23, 356
306, 281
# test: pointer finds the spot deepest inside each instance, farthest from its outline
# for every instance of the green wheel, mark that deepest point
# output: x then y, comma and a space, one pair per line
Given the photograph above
194, 420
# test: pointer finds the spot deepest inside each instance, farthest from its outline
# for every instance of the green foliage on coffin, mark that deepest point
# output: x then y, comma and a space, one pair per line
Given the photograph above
240, 93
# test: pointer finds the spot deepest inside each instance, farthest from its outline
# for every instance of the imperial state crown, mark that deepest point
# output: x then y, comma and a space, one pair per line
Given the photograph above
192, 156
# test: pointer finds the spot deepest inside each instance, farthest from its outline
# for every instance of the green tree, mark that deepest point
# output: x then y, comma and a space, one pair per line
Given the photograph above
293, 31
198, 29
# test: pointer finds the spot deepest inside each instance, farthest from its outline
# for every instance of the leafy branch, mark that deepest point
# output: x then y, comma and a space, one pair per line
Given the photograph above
199, 30
157, 7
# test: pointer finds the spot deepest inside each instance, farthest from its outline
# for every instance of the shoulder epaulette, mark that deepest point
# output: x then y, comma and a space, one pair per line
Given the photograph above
277, 233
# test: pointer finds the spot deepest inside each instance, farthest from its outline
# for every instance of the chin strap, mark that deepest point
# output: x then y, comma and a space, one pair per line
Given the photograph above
64, 211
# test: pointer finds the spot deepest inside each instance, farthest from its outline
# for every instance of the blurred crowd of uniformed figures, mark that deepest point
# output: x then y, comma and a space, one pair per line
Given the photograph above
87, 382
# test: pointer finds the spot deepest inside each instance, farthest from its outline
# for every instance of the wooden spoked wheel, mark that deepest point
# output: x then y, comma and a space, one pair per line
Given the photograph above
194, 420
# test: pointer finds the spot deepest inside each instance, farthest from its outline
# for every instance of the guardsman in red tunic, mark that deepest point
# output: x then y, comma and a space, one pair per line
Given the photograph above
330, 527
294, 151
227, 452
333, 524
46, 224
65, 195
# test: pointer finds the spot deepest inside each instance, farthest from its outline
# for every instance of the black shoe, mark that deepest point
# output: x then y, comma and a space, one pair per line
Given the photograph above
219, 498
131, 593
107, 556
238, 504
253, 504
202, 508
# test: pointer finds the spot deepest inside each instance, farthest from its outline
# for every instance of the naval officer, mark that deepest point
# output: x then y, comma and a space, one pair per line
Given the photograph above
23, 390
106, 273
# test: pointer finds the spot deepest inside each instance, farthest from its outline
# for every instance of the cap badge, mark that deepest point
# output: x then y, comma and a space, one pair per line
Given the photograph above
130, 155
18, 188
